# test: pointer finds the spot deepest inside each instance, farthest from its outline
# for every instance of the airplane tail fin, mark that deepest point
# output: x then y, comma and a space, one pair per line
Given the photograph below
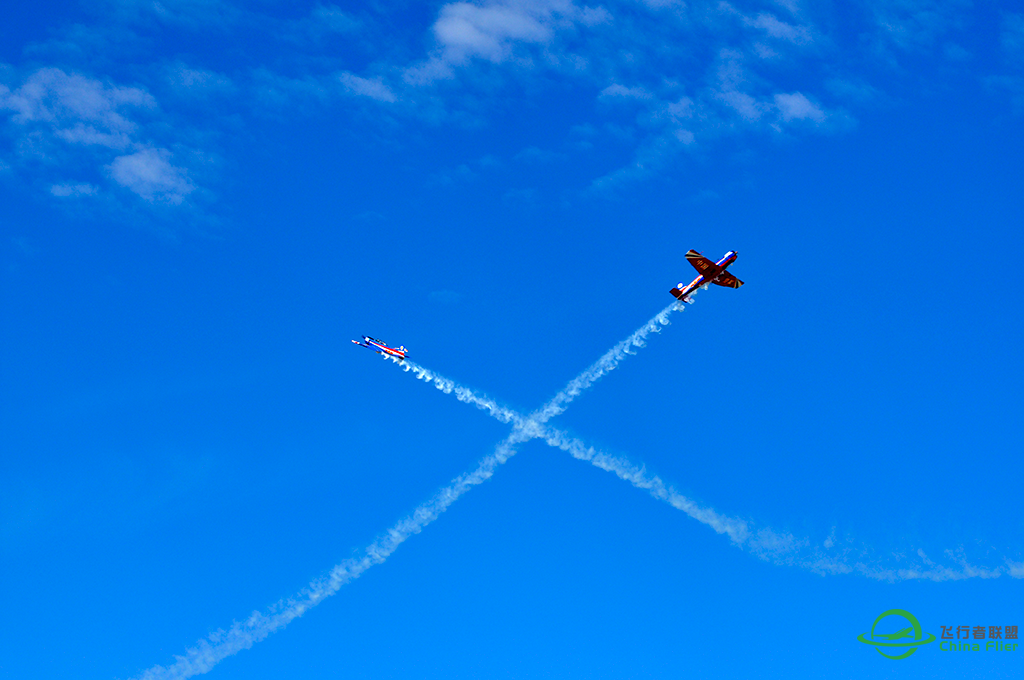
678, 294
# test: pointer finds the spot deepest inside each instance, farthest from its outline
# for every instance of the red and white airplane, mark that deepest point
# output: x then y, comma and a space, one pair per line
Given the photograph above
381, 347
710, 272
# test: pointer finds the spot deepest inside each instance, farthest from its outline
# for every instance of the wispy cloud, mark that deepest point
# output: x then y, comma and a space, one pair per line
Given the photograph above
672, 77
63, 122
80, 189
197, 82
1011, 41
76, 109
914, 25
373, 88
1011, 38
329, 19
194, 15
796, 106
465, 31
617, 91
773, 27
149, 173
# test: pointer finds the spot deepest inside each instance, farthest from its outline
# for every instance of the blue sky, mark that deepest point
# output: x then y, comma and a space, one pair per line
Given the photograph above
205, 201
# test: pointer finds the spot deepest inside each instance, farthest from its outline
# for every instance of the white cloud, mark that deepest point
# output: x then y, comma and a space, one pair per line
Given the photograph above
333, 19
743, 104
623, 92
81, 133
80, 125
789, 5
592, 16
324, 22
680, 109
150, 174
798, 107
197, 81
764, 51
646, 56
62, 100
915, 25
73, 190
374, 89
684, 136
186, 14
775, 28
464, 30
662, 4
1012, 38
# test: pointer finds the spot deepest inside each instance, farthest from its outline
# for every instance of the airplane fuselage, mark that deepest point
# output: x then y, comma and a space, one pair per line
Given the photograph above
380, 347
712, 272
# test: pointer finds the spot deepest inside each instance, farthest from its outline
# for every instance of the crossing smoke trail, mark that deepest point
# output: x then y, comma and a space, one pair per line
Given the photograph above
779, 548
244, 634
772, 546
557, 404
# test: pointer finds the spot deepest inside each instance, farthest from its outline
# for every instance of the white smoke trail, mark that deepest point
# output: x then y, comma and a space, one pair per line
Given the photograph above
462, 393
737, 529
780, 548
244, 634
606, 363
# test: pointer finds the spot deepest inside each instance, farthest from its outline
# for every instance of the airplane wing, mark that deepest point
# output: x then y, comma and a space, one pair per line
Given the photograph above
728, 280
699, 262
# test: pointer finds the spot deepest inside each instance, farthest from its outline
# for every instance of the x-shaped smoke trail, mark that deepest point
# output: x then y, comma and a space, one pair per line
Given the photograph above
766, 543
